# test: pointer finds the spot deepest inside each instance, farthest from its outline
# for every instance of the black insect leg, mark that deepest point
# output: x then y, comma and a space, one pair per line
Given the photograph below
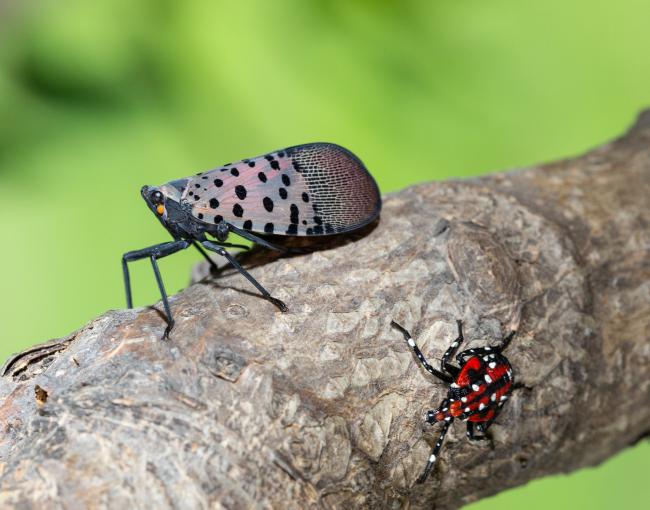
218, 249
444, 362
213, 265
409, 340
434, 452
163, 295
158, 250
472, 436
506, 341
257, 240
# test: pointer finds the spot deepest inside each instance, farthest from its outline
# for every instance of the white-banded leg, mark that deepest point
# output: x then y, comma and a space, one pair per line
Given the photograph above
444, 362
423, 361
434, 452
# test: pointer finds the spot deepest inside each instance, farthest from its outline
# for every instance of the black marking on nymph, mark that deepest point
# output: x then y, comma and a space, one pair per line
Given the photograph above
275, 165
214, 203
218, 183
261, 176
238, 210
294, 214
234, 172
268, 204
248, 225
268, 228
292, 230
305, 196
218, 218
285, 180
240, 191
283, 193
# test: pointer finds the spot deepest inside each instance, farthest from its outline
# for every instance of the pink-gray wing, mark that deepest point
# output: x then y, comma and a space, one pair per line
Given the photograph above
312, 189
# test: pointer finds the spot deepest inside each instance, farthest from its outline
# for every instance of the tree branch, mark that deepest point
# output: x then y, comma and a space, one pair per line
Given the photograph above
323, 406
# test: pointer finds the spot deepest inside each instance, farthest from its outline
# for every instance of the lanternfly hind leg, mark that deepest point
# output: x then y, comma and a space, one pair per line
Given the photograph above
444, 362
263, 242
434, 452
407, 336
163, 295
218, 249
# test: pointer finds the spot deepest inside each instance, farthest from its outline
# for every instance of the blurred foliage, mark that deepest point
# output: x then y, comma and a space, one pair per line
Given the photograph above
98, 98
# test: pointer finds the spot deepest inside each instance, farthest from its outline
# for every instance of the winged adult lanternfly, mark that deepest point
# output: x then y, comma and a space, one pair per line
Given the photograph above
314, 189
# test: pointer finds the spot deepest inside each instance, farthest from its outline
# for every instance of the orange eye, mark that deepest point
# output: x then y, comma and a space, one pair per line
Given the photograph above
160, 209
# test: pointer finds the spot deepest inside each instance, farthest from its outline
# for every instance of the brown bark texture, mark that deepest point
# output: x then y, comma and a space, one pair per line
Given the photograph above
323, 406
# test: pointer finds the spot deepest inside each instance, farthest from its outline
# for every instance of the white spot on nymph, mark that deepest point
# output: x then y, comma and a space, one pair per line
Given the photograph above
451, 400
510, 372
444, 410
488, 348
454, 385
411, 342
432, 458
492, 356
493, 398
463, 399
475, 387
503, 398
487, 378
448, 418
481, 406
492, 364
454, 345
467, 409
485, 358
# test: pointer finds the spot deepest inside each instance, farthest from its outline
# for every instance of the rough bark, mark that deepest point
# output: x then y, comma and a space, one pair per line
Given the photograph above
247, 407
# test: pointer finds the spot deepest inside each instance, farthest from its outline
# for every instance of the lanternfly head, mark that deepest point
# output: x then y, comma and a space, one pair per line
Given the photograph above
161, 199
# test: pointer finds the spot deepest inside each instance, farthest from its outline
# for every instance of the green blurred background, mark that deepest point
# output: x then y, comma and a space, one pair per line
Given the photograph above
98, 98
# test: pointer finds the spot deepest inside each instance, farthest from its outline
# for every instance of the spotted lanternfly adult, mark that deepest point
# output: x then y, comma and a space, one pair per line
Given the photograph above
315, 189
477, 390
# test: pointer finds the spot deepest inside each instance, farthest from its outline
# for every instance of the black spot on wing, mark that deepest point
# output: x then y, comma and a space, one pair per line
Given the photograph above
214, 203
268, 228
294, 214
240, 191
268, 204
248, 225
262, 176
292, 230
238, 210
283, 193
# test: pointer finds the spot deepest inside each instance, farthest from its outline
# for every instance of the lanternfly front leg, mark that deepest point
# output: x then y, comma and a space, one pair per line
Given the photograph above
153, 253
409, 340
218, 249
444, 362
434, 453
